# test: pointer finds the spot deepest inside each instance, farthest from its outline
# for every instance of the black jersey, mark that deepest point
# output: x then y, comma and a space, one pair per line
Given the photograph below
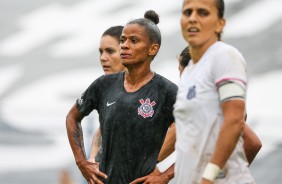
133, 125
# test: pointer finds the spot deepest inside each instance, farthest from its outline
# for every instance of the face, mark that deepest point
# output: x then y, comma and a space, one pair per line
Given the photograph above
135, 47
200, 22
109, 55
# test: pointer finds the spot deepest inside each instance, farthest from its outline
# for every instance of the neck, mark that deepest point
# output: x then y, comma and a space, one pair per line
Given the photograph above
136, 78
197, 52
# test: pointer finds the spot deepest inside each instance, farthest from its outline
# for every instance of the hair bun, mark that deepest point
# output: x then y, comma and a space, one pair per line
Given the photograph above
152, 16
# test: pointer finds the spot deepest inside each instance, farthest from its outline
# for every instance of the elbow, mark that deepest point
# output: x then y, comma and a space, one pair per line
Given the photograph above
258, 145
238, 124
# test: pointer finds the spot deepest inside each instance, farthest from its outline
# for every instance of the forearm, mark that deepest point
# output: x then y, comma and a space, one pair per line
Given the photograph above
230, 131
226, 142
169, 144
75, 136
252, 143
96, 142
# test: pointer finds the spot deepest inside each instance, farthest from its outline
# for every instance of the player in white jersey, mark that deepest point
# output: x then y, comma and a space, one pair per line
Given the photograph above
210, 106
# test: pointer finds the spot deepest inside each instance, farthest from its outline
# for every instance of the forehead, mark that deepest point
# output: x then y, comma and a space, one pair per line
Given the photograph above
205, 4
133, 30
109, 40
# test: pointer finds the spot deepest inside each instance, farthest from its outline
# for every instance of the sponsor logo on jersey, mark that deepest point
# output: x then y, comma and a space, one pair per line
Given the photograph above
191, 92
146, 109
80, 100
109, 104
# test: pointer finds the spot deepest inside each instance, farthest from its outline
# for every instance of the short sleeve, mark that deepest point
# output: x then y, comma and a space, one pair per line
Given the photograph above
170, 101
229, 65
89, 99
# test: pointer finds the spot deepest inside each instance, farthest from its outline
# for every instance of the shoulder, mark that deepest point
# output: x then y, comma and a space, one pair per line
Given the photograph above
166, 83
103, 82
226, 51
224, 54
110, 78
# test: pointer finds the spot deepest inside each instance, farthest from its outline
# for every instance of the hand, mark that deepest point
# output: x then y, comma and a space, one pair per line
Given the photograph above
204, 181
91, 160
155, 177
90, 172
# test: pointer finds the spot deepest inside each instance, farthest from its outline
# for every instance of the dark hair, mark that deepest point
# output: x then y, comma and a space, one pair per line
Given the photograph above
150, 21
185, 57
114, 31
220, 8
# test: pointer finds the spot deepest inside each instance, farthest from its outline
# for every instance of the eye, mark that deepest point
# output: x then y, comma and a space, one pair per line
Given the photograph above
203, 12
100, 51
110, 51
134, 40
187, 12
121, 40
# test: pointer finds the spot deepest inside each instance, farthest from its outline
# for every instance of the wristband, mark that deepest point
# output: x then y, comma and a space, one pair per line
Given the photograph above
211, 172
160, 167
167, 162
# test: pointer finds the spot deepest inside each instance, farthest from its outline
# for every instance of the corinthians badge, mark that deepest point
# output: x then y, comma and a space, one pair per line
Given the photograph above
146, 108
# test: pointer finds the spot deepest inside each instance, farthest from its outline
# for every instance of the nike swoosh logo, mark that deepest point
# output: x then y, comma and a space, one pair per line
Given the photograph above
109, 104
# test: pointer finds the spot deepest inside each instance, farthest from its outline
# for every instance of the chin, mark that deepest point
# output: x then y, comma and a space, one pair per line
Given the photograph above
108, 72
194, 42
124, 63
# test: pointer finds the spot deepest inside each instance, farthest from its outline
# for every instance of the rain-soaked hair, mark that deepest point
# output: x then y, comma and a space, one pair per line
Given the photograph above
114, 31
185, 57
220, 9
150, 21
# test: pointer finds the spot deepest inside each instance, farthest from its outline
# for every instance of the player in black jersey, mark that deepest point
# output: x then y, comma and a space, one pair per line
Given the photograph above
135, 110
111, 63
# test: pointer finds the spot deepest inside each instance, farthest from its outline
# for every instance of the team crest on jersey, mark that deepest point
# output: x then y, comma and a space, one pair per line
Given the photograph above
191, 92
146, 109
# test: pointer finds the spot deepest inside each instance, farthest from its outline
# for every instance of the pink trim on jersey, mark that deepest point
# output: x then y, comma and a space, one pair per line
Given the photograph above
230, 79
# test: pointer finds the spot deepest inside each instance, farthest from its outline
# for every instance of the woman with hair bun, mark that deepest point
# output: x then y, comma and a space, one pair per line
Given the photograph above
135, 110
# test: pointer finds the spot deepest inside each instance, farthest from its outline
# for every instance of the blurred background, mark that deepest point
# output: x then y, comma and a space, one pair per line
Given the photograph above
49, 55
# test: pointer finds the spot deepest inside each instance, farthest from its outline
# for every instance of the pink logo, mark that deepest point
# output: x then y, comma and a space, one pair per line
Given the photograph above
146, 108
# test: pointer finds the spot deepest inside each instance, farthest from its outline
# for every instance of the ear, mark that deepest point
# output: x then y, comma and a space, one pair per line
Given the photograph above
154, 49
220, 25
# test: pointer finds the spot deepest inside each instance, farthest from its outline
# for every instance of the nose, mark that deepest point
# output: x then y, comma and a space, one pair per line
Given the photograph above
193, 17
103, 57
123, 45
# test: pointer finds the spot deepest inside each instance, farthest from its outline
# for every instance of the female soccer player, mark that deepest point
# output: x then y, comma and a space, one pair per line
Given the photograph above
135, 110
210, 107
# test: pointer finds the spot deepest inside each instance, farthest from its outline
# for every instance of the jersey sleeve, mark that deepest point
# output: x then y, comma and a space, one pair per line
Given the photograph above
89, 99
170, 101
229, 72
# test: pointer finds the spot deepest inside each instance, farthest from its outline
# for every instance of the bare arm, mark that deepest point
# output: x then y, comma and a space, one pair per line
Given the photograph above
252, 143
231, 129
96, 142
157, 177
75, 134
169, 143
89, 170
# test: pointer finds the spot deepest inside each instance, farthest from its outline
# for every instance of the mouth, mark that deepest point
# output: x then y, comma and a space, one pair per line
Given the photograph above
124, 55
106, 68
193, 30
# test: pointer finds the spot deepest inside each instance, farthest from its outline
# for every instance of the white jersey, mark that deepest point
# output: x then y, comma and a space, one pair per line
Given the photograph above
198, 116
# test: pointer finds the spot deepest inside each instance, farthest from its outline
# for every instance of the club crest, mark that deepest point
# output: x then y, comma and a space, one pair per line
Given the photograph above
146, 108
191, 93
